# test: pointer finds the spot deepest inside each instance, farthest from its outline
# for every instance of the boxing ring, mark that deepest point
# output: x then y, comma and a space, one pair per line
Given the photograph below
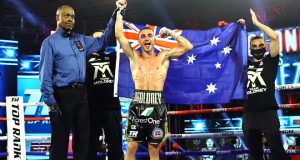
171, 136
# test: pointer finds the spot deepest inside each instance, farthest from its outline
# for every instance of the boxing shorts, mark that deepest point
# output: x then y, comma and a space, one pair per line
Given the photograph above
147, 118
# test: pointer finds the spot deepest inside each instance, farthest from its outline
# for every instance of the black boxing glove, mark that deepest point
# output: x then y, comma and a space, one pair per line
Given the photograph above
122, 12
54, 112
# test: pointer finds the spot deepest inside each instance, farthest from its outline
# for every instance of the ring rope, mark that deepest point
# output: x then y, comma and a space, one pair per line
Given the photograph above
287, 87
27, 104
278, 87
182, 136
233, 109
225, 134
223, 152
30, 118
4, 138
172, 154
182, 112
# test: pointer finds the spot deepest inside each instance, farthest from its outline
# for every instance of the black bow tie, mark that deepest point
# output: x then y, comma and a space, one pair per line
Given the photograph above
67, 34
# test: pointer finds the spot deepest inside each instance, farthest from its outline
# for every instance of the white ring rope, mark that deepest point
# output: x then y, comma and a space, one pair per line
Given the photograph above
27, 104
3, 138
225, 134
278, 87
288, 87
182, 136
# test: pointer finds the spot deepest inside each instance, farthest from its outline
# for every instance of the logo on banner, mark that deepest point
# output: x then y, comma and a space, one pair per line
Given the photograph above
40, 146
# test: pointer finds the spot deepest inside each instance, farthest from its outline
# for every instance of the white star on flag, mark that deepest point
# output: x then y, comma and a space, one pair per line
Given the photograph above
191, 59
218, 65
214, 41
227, 50
211, 88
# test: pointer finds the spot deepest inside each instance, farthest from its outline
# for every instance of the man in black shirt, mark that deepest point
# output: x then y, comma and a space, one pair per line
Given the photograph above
104, 107
260, 111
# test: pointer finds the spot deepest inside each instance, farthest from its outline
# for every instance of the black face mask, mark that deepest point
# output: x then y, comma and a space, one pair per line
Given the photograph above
258, 53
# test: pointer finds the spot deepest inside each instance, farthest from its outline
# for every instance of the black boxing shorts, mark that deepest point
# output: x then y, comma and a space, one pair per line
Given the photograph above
147, 118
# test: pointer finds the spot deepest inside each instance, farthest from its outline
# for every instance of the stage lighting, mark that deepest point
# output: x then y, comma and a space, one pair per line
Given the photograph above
10, 52
25, 65
199, 125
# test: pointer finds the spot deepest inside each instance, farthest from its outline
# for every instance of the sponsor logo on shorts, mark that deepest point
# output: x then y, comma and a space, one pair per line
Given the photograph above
133, 134
133, 126
146, 120
147, 112
147, 98
157, 133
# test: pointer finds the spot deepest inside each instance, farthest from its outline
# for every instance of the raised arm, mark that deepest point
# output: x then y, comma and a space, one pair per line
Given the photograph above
128, 50
94, 44
183, 44
274, 43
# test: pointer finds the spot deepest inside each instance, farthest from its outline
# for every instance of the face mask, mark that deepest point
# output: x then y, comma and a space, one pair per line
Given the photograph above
258, 53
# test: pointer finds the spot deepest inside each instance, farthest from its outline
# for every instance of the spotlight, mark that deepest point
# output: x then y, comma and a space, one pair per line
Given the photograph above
10, 52
25, 65
199, 125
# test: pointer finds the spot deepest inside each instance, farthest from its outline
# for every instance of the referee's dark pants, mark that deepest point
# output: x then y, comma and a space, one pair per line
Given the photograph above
267, 122
110, 121
73, 103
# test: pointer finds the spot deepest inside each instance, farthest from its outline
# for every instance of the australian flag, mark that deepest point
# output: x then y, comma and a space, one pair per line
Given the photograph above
214, 71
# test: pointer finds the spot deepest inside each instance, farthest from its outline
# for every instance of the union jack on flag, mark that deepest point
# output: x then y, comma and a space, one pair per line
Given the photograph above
131, 32
214, 71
